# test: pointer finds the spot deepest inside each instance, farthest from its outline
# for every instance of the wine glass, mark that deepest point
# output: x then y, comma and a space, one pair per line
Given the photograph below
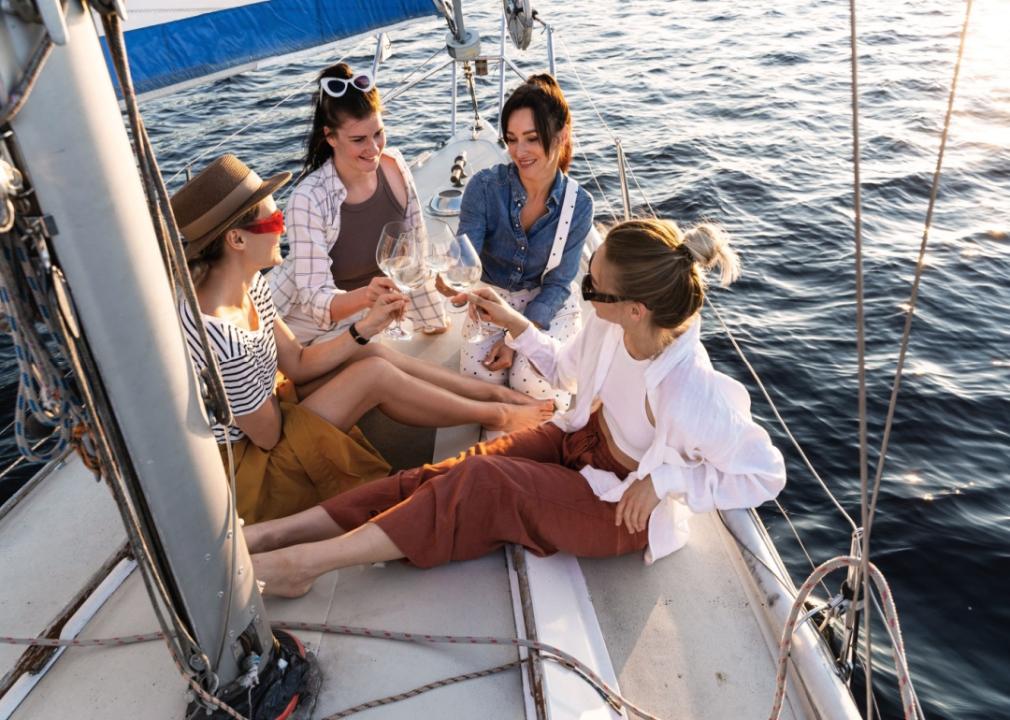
441, 247
400, 255
464, 272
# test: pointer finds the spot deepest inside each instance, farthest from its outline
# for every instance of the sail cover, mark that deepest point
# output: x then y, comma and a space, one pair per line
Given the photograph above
177, 43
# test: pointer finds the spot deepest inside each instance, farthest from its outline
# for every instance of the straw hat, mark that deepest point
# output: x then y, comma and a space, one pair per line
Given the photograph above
206, 205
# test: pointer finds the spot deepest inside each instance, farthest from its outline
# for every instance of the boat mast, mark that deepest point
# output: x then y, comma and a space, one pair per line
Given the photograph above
74, 152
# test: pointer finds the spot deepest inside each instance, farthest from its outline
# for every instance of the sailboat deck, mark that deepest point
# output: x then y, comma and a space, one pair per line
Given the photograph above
681, 636
686, 638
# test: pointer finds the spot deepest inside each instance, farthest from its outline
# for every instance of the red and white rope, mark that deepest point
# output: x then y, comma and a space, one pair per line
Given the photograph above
909, 702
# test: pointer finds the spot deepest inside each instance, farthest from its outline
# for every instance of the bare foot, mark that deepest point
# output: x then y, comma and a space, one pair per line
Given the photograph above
282, 574
508, 395
518, 417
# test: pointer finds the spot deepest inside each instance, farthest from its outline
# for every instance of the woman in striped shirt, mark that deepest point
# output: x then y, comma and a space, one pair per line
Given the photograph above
290, 456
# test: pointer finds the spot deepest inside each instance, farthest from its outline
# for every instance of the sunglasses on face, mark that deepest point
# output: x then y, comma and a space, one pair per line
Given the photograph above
274, 223
337, 87
590, 295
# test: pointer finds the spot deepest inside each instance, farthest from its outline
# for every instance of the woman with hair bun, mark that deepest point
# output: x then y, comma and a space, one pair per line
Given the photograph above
655, 434
529, 220
351, 185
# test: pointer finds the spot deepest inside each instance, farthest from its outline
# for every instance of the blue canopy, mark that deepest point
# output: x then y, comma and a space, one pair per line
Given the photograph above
179, 51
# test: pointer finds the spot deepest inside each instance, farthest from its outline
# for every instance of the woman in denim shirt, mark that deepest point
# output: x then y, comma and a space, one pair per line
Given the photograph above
530, 246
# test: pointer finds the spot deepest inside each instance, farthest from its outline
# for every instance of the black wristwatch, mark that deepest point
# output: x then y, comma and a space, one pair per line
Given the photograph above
358, 337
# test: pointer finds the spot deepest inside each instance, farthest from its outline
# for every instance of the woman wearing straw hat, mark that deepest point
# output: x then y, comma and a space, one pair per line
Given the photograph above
291, 455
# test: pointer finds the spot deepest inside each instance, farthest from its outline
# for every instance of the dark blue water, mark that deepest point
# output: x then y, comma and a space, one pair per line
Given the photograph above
740, 113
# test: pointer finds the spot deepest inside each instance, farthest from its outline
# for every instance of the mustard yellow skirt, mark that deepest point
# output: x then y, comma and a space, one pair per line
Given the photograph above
312, 461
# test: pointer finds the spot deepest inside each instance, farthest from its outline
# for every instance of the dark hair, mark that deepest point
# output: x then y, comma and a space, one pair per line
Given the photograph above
542, 95
330, 112
661, 267
214, 251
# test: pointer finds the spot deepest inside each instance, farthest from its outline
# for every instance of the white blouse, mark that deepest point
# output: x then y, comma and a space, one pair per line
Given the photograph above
707, 453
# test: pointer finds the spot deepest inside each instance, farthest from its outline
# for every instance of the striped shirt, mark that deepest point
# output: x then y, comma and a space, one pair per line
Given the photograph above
247, 358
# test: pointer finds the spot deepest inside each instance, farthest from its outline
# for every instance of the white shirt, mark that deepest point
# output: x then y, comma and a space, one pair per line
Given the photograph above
707, 453
623, 398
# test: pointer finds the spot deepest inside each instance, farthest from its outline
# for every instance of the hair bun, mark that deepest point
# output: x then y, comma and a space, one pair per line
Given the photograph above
709, 246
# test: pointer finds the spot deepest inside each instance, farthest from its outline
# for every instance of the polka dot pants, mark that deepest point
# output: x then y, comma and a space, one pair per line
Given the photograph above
522, 376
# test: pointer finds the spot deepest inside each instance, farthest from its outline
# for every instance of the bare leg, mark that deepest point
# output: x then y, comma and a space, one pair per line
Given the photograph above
445, 378
374, 382
307, 526
290, 572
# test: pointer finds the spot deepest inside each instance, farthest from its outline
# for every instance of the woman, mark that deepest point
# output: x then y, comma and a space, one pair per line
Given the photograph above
670, 436
351, 186
529, 221
290, 455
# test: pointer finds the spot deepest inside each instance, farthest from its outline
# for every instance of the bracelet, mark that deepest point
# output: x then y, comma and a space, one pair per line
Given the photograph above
358, 337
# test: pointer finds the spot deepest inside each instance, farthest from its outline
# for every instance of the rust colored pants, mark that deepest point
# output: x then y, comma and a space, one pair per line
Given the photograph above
521, 488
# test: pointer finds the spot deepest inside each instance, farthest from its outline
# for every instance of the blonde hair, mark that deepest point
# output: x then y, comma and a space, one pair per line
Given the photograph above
663, 267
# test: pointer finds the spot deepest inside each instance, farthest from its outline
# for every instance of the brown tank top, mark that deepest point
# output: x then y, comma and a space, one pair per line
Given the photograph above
353, 254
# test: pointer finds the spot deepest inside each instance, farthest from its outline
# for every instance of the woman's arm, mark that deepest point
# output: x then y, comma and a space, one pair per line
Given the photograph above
263, 425
556, 285
740, 467
316, 293
473, 211
557, 363
303, 364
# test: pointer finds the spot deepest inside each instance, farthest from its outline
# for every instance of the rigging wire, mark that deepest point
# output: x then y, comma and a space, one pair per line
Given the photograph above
22, 88
919, 268
857, 207
803, 547
778, 416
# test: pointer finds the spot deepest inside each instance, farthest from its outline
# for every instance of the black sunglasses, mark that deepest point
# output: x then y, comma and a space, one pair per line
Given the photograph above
590, 295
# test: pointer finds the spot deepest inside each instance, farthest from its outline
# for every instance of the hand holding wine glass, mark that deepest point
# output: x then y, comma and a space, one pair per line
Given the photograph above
400, 255
464, 272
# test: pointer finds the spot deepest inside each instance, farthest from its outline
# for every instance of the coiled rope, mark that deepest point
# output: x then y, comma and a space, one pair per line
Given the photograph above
909, 701
43, 387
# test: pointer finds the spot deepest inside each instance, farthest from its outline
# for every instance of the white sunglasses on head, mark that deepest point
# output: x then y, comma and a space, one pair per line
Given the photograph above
336, 87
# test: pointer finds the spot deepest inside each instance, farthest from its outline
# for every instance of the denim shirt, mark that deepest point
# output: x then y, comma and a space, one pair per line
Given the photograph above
512, 258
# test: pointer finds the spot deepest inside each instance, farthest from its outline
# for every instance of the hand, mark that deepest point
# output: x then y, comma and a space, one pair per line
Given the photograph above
636, 505
500, 357
383, 311
376, 288
493, 309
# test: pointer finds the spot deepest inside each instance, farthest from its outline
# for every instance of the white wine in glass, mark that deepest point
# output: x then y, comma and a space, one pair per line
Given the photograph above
400, 256
441, 244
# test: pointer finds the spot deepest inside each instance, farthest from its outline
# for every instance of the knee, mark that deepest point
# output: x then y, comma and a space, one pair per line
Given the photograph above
485, 475
373, 368
373, 350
